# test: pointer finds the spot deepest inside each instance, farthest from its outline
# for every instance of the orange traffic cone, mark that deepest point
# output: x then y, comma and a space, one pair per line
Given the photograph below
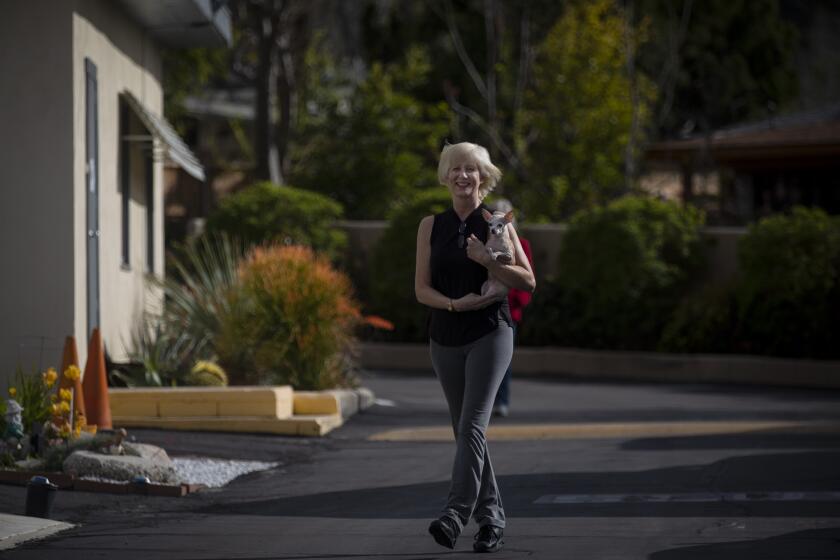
95, 384
71, 358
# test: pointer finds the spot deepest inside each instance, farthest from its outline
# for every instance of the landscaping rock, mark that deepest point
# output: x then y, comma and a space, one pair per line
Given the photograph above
153, 453
118, 467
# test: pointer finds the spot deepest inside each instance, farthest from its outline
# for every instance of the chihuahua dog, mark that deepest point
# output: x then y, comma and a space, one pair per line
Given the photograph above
500, 247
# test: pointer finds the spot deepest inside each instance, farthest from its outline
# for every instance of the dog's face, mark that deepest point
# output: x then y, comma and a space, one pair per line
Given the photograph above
497, 221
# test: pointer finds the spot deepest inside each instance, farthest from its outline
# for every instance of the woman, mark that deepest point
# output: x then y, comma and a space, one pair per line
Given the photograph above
471, 335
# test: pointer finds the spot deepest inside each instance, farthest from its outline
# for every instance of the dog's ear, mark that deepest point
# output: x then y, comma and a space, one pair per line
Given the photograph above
509, 217
487, 215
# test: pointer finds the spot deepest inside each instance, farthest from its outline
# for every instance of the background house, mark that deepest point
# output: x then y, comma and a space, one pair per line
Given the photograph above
745, 172
81, 165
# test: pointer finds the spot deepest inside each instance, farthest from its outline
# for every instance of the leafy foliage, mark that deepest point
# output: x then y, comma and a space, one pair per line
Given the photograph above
624, 269
157, 355
581, 109
33, 395
197, 298
392, 273
789, 288
188, 71
291, 321
718, 62
265, 213
370, 150
704, 322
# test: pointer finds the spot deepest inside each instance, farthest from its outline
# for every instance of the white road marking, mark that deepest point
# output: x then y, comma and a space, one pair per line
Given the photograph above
384, 402
695, 497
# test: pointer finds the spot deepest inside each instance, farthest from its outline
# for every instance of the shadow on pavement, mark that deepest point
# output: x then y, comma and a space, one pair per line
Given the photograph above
789, 472
812, 543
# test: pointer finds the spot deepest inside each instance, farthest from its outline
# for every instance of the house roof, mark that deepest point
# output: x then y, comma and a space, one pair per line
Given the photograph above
812, 134
183, 23
175, 148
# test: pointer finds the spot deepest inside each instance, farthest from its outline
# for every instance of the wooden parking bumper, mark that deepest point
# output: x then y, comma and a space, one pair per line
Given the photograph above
274, 410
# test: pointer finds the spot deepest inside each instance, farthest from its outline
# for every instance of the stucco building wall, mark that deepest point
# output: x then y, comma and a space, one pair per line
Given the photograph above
43, 202
37, 283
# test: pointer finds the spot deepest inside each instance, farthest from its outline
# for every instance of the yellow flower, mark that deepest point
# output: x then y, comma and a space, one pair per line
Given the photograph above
64, 431
65, 394
54, 409
49, 377
72, 373
53, 398
64, 407
12, 392
77, 431
80, 419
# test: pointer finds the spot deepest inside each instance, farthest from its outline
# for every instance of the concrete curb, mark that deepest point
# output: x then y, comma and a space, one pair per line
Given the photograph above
274, 410
631, 366
16, 529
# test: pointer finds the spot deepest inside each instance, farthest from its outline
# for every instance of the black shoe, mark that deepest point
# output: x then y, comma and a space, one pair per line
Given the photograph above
488, 539
444, 532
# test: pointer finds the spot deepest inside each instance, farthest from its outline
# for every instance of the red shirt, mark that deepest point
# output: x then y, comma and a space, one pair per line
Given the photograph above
518, 299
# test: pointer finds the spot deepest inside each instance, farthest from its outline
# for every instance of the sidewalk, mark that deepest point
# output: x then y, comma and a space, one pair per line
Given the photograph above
15, 529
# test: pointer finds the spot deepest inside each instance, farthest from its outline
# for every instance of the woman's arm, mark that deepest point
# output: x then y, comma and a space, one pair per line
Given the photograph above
423, 289
422, 271
519, 275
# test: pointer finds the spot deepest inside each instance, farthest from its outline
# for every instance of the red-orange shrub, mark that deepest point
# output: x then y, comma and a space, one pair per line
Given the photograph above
291, 321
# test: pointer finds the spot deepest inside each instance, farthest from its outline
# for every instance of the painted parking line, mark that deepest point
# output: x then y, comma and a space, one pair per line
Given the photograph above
611, 430
695, 497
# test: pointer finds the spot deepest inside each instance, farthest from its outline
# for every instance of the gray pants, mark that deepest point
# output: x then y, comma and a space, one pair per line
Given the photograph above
470, 376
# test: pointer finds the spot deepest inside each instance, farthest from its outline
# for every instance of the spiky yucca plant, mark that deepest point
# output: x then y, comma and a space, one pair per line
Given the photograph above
198, 295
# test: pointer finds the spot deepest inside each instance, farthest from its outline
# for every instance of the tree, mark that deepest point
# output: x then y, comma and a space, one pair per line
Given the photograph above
186, 72
717, 63
369, 145
582, 108
272, 40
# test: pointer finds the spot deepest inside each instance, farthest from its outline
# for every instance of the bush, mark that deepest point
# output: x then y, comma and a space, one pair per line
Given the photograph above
623, 269
391, 284
290, 322
206, 374
704, 322
265, 212
789, 286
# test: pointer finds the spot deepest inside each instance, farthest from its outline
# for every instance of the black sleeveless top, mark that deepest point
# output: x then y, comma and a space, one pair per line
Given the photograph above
455, 275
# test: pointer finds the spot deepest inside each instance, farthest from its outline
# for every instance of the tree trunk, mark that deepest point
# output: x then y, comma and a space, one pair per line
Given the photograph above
265, 145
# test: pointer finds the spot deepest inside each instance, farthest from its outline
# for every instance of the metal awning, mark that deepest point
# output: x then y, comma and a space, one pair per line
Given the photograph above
183, 23
175, 148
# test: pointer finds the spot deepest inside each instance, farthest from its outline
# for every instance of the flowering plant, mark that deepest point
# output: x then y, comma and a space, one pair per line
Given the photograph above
48, 408
66, 422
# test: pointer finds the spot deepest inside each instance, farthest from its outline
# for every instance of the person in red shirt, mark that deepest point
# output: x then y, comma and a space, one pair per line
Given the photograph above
518, 300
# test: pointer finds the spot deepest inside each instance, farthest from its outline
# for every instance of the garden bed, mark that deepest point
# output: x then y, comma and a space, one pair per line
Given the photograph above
70, 482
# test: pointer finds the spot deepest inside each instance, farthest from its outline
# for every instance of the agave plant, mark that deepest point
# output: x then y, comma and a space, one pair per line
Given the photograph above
157, 354
197, 296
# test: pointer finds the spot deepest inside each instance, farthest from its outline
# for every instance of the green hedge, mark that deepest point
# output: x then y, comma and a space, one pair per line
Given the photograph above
391, 284
622, 270
266, 212
788, 292
784, 302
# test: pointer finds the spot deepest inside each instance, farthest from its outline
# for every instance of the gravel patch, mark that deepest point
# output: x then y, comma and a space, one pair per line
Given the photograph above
215, 473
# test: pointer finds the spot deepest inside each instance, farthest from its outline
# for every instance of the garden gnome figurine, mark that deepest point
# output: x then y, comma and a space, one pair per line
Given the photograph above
14, 422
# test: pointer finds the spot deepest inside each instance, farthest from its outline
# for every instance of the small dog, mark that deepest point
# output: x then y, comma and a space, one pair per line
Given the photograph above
500, 247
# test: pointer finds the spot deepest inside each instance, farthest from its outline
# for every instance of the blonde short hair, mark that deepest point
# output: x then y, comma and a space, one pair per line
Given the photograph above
454, 153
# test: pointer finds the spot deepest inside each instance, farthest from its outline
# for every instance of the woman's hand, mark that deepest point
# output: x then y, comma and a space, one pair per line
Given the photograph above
471, 302
477, 251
